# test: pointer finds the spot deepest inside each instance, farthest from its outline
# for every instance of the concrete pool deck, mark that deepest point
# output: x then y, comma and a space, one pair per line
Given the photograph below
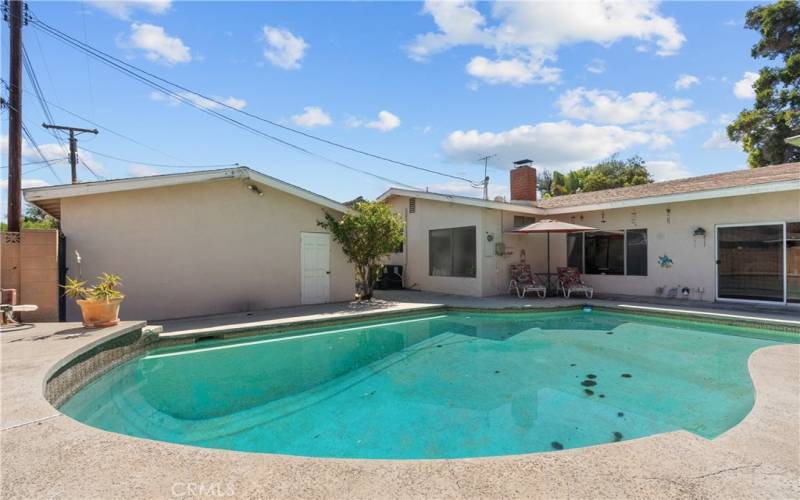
402, 301
46, 454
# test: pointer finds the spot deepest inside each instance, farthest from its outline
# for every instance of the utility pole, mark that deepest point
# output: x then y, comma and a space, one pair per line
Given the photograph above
15, 18
73, 145
485, 161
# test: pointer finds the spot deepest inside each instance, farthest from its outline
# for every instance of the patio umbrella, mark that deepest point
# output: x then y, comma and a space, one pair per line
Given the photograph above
552, 226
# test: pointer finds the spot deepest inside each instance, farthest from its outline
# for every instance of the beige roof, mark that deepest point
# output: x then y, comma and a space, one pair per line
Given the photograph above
737, 178
48, 198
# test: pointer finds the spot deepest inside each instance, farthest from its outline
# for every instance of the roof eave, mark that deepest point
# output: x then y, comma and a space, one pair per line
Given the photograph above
462, 200
37, 196
769, 187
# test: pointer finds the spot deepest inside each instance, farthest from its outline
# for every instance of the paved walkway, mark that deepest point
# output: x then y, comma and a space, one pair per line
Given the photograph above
46, 454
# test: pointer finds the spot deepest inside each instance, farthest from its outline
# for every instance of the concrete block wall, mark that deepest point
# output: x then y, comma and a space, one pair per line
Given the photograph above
29, 264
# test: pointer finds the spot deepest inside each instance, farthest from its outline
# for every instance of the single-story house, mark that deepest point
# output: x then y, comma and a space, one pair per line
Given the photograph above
729, 236
200, 243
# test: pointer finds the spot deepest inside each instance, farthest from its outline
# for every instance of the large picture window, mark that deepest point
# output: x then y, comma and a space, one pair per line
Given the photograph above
605, 252
453, 252
609, 252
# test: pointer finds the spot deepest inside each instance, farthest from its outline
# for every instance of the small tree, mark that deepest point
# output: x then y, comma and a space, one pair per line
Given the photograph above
368, 233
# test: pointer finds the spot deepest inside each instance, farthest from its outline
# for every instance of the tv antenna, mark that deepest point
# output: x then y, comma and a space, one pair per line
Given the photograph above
485, 160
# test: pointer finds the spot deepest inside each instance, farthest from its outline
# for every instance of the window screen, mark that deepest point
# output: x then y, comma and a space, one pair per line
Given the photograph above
575, 251
636, 242
452, 252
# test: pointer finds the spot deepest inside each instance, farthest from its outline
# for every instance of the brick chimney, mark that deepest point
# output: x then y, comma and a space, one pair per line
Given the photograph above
523, 181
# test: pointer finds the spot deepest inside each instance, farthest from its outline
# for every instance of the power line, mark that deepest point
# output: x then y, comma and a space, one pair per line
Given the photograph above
89, 49
90, 169
39, 151
162, 165
110, 60
39, 93
39, 162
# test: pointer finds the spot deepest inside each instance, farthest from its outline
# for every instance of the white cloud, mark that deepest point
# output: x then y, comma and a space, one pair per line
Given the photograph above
525, 33
597, 66
57, 156
123, 9
26, 183
743, 89
311, 117
231, 101
725, 118
137, 170
157, 45
515, 71
719, 140
386, 121
686, 81
665, 170
643, 110
284, 49
550, 144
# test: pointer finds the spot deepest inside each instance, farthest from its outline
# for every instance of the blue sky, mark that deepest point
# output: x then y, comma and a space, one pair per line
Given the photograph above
437, 84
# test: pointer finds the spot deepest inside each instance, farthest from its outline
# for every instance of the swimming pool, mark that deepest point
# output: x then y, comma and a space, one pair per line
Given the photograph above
458, 384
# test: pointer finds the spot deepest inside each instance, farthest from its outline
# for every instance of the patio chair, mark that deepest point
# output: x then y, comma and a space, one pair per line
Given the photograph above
7, 312
523, 281
569, 281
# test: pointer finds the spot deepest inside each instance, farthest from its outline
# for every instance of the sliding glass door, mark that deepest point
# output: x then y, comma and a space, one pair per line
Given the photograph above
793, 262
751, 262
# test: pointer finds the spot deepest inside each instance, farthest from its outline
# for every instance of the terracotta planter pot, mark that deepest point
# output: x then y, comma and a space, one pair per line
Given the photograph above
99, 314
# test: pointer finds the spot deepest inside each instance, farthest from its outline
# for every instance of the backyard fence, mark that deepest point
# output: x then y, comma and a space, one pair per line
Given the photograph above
29, 265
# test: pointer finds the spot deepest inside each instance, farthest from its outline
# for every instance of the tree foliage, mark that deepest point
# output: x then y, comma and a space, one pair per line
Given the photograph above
775, 115
367, 234
34, 218
608, 174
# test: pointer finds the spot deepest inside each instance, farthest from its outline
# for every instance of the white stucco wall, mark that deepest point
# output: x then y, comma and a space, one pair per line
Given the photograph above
694, 264
694, 260
197, 249
435, 215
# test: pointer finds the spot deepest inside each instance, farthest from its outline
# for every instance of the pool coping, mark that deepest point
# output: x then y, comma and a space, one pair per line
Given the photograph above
271, 326
774, 472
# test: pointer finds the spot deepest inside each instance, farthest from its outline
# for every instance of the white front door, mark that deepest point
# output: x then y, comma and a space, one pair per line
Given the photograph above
315, 268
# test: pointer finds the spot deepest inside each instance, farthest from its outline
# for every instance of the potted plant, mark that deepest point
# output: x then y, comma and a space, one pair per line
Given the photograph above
100, 303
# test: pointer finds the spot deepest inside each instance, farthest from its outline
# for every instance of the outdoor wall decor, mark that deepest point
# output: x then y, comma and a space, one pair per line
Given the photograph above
698, 233
665, 262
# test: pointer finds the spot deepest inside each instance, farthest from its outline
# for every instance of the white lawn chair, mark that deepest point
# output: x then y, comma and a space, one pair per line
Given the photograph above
523, 281
7, 310
569, 281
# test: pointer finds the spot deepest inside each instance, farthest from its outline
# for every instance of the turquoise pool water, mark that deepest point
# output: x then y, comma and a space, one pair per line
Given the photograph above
443, 386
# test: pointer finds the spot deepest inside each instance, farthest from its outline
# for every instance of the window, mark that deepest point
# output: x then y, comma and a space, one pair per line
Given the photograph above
522, 220
605, 252
636, 252
609, 252
452, 252
575, 251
